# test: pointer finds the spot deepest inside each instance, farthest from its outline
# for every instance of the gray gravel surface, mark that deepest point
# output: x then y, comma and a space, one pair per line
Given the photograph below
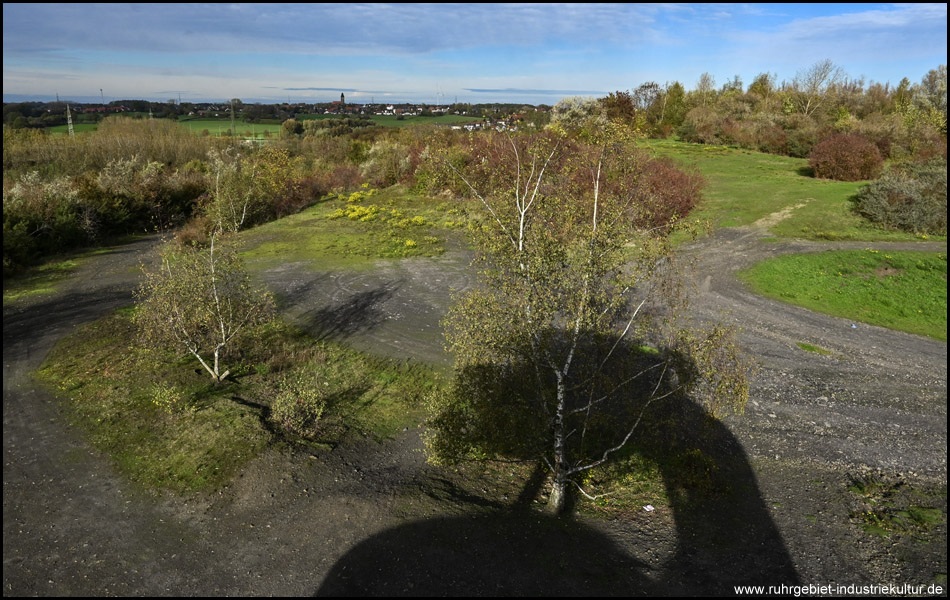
369, 518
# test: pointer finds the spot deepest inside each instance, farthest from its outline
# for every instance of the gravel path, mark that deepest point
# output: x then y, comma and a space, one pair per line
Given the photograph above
371, 518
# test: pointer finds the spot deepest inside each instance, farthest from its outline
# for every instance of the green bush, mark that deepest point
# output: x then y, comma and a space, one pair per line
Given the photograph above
41, 217
802, 133
846, 157
910, 198
298, 405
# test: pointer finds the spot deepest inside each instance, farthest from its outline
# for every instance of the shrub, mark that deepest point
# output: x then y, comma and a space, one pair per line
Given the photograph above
338, 178
200, 300
910, 198
701, 126
40, 218
386, 163
801, 135
301, 194
771, 139
196, 232
846, 157
929, 147
168, 398
298, 405
666, 193
883, 130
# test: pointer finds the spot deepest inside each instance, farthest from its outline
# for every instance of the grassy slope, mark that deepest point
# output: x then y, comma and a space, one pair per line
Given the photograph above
900, 290
745, 186
404, 225
45, 278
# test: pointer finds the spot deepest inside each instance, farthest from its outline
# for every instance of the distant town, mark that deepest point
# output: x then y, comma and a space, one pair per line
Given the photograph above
52, 114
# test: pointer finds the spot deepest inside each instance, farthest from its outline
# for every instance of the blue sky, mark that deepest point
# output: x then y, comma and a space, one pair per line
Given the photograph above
530, 53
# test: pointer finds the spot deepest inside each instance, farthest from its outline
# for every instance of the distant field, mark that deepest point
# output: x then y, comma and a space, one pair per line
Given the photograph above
78, 128
744, 186
219, 127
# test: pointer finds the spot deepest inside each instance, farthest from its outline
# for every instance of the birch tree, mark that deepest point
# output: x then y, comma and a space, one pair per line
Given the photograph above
816, 84
244, 189
200, 300
567, 341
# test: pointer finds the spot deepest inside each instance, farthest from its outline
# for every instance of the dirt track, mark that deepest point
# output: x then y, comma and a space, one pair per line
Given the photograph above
369, 518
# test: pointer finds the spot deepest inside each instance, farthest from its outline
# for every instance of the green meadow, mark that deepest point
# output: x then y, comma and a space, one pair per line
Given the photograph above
353, 230
219, 127
745, 186
271, 128
906, 291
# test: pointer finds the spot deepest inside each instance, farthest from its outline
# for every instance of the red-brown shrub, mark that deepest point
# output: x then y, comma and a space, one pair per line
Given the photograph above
664, 130
195, 232
933, 146
667, 192
846, 157
772, 139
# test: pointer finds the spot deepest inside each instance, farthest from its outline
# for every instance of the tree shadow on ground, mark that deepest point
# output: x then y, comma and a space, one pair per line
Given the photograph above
805, 172
724, 533
357, 314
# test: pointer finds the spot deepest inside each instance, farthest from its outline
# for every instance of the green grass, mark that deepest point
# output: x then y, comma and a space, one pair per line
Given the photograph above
219, 127
37, 281
46, 278
887, 508
215, 127
337, 232
814, 349
77, 128
745, 186
167, 425
393, 121
906, 291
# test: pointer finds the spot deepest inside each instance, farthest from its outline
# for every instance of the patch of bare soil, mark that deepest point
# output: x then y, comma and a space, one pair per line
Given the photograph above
777, 217
825, 440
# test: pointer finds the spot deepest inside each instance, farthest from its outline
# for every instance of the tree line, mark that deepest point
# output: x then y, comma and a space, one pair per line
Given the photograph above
791, 117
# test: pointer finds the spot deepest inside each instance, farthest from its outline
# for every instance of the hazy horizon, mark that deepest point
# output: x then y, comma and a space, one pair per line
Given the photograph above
437, 54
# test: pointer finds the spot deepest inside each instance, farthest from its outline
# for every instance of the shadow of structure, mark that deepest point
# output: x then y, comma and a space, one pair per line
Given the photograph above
725, 537
724, 533
504, 553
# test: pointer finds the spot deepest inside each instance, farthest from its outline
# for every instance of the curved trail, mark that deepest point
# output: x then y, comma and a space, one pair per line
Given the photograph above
878, 401
73, 527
